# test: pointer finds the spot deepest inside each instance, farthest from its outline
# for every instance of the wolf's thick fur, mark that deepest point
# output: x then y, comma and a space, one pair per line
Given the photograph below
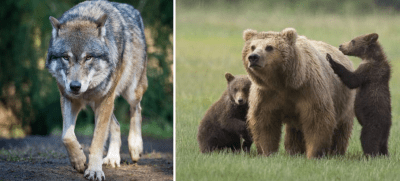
372, 104
97, 52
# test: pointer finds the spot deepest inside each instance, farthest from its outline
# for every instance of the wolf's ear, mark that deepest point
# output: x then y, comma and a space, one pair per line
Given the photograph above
290, 35
229, 77
371, 38
100, 24
54, 22
56, 26
102, 20
248, 34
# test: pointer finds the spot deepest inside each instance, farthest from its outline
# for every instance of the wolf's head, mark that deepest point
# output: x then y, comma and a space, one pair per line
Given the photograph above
78, 56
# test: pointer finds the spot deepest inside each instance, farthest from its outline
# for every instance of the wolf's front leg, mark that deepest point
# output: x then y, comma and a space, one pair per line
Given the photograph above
70, 110
135, 141
103, 112
113, 157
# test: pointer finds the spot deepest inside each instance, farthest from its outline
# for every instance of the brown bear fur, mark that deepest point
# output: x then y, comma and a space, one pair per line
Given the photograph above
372, 104
225, 121
293, 84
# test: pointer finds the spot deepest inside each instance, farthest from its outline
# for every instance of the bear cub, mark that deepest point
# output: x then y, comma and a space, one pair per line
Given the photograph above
372, 104
225, 121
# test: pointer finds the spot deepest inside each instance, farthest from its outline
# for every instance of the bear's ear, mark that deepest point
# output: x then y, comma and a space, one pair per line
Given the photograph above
290, 35
371, 38
248, 34
229, 77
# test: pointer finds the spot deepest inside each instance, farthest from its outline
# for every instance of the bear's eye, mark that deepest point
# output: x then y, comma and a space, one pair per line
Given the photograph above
253, 48
353, 42
269, 48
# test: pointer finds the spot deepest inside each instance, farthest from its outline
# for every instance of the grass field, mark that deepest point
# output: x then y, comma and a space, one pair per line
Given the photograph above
209, 43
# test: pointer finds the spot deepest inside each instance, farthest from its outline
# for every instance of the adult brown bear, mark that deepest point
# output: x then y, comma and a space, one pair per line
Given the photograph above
293, 84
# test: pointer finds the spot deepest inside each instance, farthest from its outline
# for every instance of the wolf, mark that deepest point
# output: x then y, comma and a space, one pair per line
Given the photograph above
97, 52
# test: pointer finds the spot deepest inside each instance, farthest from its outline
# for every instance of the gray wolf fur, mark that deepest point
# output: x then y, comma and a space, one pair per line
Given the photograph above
97, 52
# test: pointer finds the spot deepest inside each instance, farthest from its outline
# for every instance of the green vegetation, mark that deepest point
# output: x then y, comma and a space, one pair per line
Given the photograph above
31, 93
209, 43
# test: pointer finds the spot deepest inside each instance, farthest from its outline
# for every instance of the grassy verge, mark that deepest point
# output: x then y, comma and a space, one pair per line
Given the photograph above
209, 43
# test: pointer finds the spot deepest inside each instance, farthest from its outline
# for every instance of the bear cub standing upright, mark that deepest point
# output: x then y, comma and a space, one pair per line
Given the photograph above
372, 104
225, 121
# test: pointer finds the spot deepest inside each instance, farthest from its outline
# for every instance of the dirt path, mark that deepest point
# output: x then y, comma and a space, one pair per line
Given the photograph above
45, 158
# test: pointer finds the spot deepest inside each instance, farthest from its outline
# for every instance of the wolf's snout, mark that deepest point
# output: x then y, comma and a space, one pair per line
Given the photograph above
240, 101
253, 58
75, 86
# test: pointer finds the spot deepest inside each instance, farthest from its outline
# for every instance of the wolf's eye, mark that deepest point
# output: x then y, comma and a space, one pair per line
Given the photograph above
66, 58
253, 48
269, 48
88, 58
353, 42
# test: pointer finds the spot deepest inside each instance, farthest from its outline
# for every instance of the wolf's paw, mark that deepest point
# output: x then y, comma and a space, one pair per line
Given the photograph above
135, 148
94, 175
114, 160
78, 161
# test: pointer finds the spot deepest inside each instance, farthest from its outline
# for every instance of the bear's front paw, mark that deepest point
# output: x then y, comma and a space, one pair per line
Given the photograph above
329, 58
331, 61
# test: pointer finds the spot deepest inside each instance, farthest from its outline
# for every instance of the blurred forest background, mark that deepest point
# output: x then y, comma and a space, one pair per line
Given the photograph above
29, 98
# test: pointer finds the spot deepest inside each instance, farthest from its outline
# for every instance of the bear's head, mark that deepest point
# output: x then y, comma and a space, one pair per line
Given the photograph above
266, 50
359, 45
273, 59
238, 88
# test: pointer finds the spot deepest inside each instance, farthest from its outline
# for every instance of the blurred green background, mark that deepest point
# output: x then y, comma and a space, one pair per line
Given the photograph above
209, 43
29, 98
311, 6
